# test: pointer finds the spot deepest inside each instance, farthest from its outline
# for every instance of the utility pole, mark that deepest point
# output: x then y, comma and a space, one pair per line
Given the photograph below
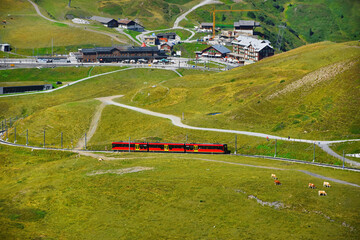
183, 116
235, 144
314, 153
85, 141
44, 137
280, 36
275, 147
15, 134
61, 139
69, 3
343, 159
129, 143
27, 137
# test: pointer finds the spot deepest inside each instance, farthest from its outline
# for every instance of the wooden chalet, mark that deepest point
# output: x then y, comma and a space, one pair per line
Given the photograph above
167, 47
130, 24
215, 51
109, 22
245, 27
168, 36
206, 26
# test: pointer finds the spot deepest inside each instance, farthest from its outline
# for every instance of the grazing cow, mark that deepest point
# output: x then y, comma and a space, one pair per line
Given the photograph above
273, 176
100, 159
311, 185
326, 184
322, 193
277, 182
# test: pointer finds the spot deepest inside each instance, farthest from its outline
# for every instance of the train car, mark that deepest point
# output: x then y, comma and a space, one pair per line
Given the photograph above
204, 148
134, 146
207, 148
167, 147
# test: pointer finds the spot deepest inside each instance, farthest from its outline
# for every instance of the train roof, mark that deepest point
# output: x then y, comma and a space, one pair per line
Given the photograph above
139, 142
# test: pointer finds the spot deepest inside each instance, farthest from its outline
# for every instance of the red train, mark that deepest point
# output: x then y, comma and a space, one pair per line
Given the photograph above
170, 147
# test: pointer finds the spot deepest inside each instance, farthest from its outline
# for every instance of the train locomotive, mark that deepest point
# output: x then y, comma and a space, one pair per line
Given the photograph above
205, 148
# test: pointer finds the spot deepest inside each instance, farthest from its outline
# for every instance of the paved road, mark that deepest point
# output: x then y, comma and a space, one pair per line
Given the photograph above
121, 31
183, 16
64, 86
177, 122
112, 35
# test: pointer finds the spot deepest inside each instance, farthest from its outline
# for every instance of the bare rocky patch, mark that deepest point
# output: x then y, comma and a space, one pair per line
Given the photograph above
313, 78
120, 171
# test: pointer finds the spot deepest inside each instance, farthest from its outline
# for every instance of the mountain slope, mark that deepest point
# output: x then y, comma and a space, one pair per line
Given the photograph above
309, 92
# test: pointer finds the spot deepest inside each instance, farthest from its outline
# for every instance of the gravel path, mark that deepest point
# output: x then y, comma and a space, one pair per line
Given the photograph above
93, 126
281, 169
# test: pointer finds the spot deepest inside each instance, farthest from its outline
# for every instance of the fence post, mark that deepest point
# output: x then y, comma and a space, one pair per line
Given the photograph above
44, 138
129, 143
275, 147
343, 159
85, 141
314, 153
15, 134
61, 139
235, 144
27, 137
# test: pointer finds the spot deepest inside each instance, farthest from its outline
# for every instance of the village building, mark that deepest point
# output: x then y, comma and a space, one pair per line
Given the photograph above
108, 22
250, 49
130, 25
28, 88
169, 36
150, 40
245, 27
167, 47
206, 27
215, 51
5, 47
121, 53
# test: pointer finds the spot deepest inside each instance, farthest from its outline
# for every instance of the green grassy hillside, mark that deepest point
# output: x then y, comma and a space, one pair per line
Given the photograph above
311, 92
30, 34
154, 14
47, 194
303, 93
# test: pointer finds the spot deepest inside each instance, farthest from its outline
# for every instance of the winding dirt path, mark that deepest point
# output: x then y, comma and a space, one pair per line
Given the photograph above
177, 122
93, 126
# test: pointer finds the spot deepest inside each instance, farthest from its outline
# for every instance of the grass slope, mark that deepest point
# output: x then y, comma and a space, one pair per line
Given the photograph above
30, 34
50, 195
315, 95
155, 14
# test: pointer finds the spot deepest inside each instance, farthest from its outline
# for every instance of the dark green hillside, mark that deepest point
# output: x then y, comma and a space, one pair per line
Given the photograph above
306, 21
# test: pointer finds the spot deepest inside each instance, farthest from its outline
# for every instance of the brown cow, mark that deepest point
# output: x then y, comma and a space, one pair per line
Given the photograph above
277, 182
311, 185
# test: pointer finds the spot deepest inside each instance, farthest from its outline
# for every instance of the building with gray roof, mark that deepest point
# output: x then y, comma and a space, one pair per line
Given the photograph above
109, 22
246, 26
215, 51
251, 49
